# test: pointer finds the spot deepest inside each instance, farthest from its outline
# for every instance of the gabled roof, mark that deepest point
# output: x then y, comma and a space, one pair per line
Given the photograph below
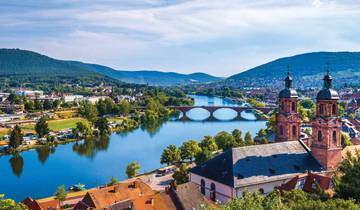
244, 166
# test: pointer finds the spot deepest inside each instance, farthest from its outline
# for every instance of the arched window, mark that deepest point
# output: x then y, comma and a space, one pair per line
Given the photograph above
294, 131
334, 109
319, 136
334, 137
261, 191
282, 106
202, 185
213, 192
293, 107
281, 130
321, 108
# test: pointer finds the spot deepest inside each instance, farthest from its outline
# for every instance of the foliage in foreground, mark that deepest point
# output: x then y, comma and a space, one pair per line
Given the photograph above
292, 200
132, 169
9, 204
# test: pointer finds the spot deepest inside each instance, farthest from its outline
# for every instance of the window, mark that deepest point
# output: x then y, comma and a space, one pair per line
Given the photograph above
321, 109
300, 184
202, 185
334, 137
213, 192
282, 106
294, 131
261, 191
319, 136
334, 109
293, 107
281, 130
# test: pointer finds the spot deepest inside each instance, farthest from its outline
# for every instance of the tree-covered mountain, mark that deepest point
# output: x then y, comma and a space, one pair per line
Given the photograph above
21, 66
154, 77
306, 69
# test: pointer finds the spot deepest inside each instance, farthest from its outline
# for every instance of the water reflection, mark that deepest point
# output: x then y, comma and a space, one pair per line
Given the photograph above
44, 153
17, 164
152, 127
91, 146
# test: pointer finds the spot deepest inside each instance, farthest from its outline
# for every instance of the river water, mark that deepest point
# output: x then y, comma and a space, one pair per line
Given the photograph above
37, 173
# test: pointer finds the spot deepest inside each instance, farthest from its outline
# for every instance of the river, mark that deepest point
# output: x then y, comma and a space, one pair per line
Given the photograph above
37, 173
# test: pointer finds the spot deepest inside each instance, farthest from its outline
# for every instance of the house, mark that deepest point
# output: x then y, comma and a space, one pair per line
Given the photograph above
269, 166
72, 98
308, 182
126, 195
41, 205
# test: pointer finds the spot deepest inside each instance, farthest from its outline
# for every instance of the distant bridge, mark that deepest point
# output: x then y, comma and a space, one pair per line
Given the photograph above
212, 109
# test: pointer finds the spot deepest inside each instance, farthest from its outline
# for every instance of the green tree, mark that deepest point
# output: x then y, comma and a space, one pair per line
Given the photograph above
237, 136
262, 133
189, 149
82, 129
14, 99
9, 204
42, 127
170, 155
181, 175
202, 156
88, 111
16, 137
224, 140
113, 181
38, 105
61, 193
103, 125
29, 106
48, 105
132, 169
345, 139
307, 103
208, 143
271, 123
248, 139
124, 107
56, 104
348, 184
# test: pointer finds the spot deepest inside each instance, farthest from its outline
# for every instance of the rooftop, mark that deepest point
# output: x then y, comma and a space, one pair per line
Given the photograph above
243, 166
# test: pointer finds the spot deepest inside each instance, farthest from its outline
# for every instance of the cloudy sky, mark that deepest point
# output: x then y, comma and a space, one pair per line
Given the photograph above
220, 37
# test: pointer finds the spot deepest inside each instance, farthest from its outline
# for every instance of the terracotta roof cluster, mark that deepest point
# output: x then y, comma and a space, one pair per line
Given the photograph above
308, 182
126, 195
36, 205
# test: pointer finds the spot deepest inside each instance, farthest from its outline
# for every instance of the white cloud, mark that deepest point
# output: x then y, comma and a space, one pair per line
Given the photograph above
230, 35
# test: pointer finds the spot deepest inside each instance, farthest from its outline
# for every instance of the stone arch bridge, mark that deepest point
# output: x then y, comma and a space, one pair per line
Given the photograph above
212, 109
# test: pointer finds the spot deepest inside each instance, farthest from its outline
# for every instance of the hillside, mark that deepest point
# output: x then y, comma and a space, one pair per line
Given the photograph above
22, 66
307, 70
154, 77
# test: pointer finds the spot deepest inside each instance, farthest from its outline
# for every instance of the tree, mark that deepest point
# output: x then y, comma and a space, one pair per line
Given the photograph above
29, 106
348, 184
124, 107
181, 175
113, 181
248, 139
271, 123
14, 99
189, 149
237, 136
61, 193
170, 155
38, 105
307, 103
16, 137
9, 204
89, 111
208, 143
132, 169
83, 129
262, 133
47, 105
224, 140
345, 139
42, 127
56, 104
203, 156
103, 125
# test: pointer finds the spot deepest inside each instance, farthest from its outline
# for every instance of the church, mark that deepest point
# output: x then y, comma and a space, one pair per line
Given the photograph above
289, 163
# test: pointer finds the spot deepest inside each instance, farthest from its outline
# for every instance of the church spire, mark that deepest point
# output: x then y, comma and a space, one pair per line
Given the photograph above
327, 79
288, 79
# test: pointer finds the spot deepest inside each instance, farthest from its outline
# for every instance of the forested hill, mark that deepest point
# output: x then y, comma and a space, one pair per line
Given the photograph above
307, 69
21, 66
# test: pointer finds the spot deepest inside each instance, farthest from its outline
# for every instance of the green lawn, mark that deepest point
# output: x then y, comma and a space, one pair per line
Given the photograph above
56, 125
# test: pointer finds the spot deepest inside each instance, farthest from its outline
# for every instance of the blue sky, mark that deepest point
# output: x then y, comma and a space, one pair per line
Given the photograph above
220, 37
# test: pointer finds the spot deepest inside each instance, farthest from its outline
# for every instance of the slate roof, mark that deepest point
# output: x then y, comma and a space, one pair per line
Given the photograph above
244, 166
288, 93
327, 94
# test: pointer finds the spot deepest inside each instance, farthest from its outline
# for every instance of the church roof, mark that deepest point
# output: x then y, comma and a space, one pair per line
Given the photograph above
327, 93
288, 93
244, 166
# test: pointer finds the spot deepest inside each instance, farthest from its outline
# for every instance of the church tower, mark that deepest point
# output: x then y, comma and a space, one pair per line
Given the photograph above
287, 119
326, 127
